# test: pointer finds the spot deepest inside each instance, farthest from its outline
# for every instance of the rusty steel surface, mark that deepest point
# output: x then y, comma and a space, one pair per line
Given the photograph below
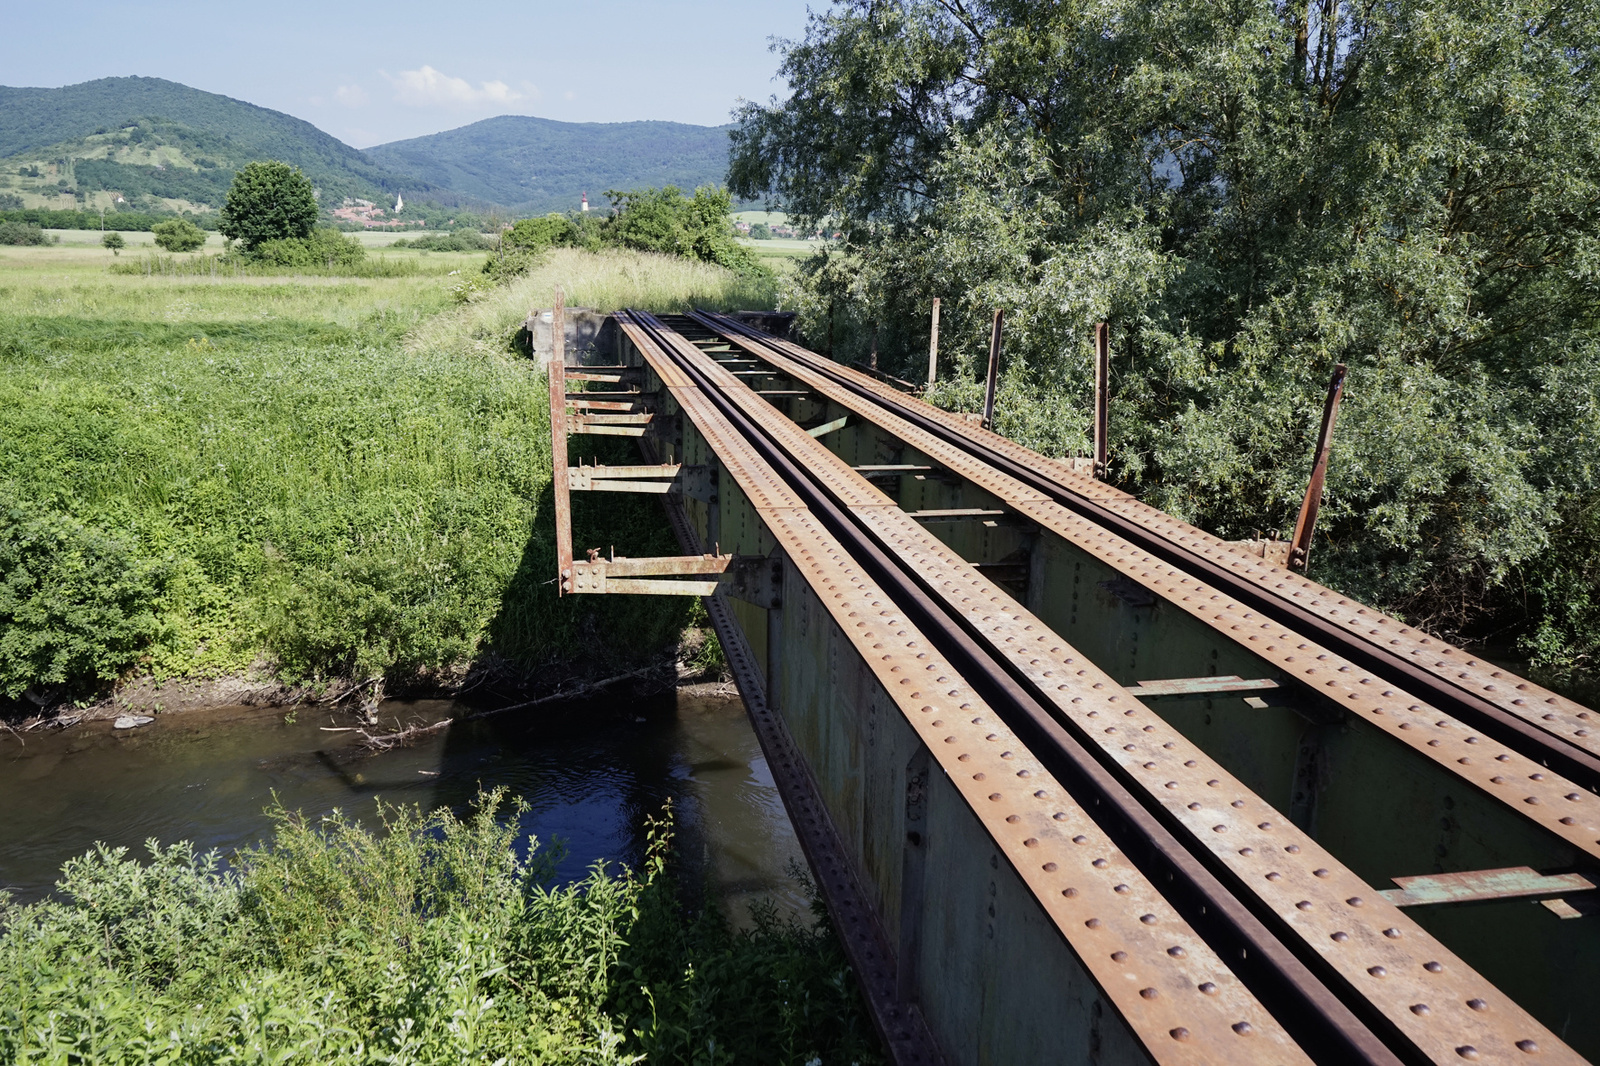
1561, 717
1423, 990
1177, 996
1305, 524
1523, 784
902, 1028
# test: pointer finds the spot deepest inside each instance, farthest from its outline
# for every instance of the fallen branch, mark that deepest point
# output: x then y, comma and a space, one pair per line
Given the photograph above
391, 740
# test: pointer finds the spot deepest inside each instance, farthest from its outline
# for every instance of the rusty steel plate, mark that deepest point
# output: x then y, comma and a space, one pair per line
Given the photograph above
1525, 786
1553, 713
1427, 992
1175, 994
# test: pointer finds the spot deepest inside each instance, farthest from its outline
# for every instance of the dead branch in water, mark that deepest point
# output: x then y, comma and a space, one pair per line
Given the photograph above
405, 736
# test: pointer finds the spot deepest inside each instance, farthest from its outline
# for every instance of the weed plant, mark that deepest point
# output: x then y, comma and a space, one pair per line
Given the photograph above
435, 939
341, 478
271, 265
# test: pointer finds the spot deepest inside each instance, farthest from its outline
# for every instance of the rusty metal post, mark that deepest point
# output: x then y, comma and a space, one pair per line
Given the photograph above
1306, 524
873, 360
933, 345
558, 445
1102, 399
994, 369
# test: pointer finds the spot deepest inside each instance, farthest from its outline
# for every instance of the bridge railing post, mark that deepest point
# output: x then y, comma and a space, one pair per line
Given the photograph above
994, 369
558, 445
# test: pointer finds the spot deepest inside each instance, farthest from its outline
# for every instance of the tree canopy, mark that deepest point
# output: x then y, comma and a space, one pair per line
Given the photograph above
1249, 192
178, 235
268, 201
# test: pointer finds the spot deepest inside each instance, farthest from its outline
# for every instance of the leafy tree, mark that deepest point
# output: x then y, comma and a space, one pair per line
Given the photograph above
664, 220
114, 241
761, 232
268, 201
547, 231
178, 235
1249, 192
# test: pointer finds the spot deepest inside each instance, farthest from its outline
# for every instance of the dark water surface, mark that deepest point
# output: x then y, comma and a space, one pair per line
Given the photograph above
592, 774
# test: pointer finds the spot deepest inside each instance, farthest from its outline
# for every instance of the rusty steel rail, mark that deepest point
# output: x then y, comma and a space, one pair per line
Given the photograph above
1178, 996
1314, 902
1461, 683
1296, 626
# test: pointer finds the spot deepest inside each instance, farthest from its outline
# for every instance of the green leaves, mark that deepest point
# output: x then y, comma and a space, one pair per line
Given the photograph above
1249, 193
268, 201
77, 604
429, 938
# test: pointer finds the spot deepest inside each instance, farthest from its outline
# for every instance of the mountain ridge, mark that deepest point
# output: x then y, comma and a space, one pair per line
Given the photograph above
531, 164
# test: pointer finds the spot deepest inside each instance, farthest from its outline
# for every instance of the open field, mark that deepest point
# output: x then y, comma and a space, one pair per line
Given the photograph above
335, 477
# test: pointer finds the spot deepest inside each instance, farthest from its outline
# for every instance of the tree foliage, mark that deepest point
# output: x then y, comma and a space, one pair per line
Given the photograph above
1250, 192
178, 235
268, 201
665, 220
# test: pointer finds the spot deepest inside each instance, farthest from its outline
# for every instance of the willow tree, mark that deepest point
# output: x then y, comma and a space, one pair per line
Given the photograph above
1250, 192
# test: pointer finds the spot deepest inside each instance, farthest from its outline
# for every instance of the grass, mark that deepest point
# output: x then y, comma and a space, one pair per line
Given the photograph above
335, 477
438, 939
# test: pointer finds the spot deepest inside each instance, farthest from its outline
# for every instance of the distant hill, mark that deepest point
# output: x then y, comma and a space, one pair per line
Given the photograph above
534, 165
162, 144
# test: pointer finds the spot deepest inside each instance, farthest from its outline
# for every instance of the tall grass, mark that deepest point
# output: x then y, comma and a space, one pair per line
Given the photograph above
434, 940
154, 264
330, 475
604, 281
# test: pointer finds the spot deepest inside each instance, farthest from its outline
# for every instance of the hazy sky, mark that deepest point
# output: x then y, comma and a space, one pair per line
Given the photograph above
379, 72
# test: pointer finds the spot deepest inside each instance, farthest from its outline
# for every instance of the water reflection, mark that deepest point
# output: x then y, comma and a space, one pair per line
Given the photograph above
592, 774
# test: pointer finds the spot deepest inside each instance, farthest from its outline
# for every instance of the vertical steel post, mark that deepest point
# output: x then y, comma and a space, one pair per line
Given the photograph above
994, 369
933, 345
873, 361
1306, 524
558, 444
1102, 399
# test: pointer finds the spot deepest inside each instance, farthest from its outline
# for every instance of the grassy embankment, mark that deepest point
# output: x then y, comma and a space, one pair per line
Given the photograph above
327, 477
432, 942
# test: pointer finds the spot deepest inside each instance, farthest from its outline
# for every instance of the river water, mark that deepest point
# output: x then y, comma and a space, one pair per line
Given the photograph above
591, 773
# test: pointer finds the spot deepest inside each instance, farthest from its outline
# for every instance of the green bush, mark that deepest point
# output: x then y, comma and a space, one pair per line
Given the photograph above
325, 248
664, 220
178, 235
77, 604
430, 940
463, 241
22, 233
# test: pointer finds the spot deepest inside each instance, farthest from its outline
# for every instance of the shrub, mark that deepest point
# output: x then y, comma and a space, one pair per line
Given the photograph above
664, 220
178, 235
22, 233
77, 604
464, 241
433, 939
324, 248
114, 241
537, 234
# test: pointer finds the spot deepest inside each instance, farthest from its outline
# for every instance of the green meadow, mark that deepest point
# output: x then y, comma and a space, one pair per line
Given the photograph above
310, 477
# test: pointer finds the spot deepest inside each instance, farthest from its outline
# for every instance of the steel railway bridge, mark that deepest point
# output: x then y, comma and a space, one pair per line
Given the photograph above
1080, 782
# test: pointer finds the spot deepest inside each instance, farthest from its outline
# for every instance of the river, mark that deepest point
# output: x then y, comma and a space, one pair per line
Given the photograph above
591, 773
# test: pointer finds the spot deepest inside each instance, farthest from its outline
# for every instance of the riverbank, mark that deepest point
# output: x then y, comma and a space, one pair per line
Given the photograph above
289, 487
293, 951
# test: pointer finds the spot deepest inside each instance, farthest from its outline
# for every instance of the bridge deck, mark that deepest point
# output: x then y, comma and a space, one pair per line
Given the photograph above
1183, 886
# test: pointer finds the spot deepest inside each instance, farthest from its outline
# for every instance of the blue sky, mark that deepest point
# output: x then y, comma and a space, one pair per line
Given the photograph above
379, 72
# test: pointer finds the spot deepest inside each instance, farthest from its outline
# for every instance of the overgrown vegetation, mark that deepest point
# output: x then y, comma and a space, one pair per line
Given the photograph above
436, 939
1249, 193
337, 477
662, 221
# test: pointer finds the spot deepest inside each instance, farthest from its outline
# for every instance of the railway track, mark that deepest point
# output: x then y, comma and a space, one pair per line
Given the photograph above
1221, 930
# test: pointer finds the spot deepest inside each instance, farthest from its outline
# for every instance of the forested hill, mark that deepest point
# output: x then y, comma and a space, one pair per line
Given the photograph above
535, 164
81, 122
